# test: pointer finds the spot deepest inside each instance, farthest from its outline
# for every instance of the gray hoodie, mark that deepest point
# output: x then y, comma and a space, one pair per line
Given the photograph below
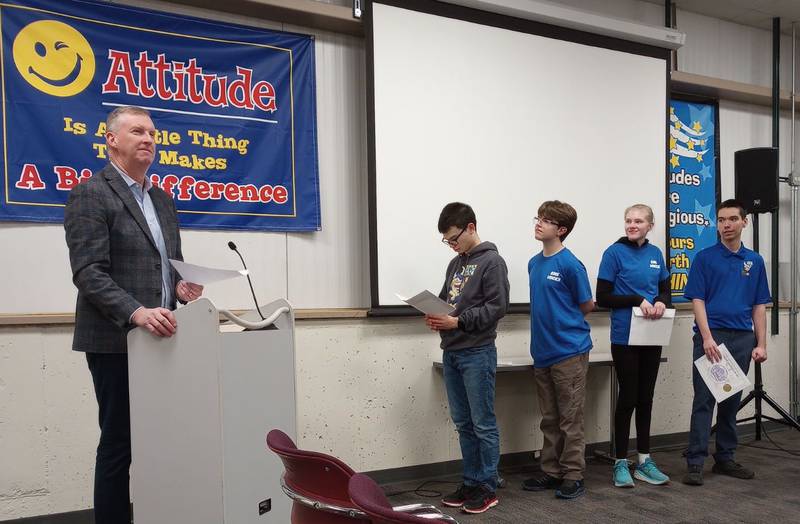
476, 283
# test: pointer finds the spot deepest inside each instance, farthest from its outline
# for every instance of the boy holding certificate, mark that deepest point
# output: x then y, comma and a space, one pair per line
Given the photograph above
476, 285
729, 292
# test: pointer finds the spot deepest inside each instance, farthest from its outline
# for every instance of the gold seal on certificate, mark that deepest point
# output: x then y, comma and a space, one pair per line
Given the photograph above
726, 388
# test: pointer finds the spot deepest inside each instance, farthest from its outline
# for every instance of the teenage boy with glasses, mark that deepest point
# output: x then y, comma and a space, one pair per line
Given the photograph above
476, 284
561, 297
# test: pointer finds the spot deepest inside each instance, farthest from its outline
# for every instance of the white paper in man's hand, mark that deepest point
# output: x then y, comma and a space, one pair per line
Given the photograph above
724, 378
428, 303
205, 275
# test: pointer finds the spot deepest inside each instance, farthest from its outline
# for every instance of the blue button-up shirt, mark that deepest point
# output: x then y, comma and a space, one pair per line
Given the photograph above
146, 205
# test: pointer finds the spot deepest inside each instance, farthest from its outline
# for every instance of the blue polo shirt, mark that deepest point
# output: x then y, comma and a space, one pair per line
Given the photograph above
634, 270
730, 283
558, 285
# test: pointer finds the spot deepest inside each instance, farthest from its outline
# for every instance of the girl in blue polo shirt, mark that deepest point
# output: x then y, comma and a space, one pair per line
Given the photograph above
633, 274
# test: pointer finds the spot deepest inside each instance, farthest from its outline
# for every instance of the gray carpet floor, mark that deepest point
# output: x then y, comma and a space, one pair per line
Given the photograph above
772, 497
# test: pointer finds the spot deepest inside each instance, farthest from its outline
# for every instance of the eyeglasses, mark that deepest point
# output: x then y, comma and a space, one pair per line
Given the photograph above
453, 241
542, 220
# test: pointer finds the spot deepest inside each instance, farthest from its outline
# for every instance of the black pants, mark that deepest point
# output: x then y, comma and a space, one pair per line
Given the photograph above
637, 371
112, 504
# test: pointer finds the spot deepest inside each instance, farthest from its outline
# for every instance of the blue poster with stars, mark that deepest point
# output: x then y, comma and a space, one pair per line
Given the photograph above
693, 186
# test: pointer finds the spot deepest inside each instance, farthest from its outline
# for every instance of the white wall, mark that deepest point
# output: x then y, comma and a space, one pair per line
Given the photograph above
366, 389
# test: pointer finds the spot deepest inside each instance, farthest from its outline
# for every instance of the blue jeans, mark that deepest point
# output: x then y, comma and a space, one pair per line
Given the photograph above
469, 378
740, 344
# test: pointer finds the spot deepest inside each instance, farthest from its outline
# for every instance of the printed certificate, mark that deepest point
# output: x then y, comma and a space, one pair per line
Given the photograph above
724, 378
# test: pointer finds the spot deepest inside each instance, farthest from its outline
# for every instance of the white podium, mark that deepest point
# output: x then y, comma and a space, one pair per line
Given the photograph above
201, 404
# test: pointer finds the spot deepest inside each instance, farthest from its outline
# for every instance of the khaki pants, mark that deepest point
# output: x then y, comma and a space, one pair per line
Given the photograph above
562, 394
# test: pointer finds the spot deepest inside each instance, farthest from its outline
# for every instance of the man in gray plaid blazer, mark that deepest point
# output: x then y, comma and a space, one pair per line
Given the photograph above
121, 232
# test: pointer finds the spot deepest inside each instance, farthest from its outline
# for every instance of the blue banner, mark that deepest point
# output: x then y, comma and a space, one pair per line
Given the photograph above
692, 187
234, 108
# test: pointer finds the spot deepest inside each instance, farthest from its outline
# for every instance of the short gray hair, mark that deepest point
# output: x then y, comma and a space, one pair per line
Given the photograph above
113, 116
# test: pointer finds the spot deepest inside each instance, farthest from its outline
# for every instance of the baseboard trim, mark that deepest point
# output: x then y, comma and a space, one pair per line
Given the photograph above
83, 516
521, 459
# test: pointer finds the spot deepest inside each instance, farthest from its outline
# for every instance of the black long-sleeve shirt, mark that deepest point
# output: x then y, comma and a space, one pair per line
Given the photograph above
606, 297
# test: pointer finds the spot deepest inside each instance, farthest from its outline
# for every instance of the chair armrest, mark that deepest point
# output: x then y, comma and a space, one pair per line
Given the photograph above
425, 511
413, 508
319, 505
437, 517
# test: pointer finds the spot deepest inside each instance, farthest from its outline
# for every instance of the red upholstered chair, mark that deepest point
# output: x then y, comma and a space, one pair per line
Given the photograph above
369, 497
316, 482
318, 485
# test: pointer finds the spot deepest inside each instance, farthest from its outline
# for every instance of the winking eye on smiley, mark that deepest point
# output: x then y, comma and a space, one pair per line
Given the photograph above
54, 58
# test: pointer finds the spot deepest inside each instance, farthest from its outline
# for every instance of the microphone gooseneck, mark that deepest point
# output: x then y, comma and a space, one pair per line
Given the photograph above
232, 246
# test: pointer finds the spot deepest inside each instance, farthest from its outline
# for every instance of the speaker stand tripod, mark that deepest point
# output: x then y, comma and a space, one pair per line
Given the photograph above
758, 395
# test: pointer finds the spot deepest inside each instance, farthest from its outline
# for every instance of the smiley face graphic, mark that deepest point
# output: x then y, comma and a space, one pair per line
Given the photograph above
54, 58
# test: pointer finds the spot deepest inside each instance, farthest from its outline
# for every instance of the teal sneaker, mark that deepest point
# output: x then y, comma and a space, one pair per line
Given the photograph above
622, 475
650, 473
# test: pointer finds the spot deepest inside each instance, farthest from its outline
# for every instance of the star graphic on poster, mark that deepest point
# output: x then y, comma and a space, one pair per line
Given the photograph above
705, 172
674, 161
690, 144
699, 157
678, 125
702, 113
671, 110
673, 143
706, 211
697, 127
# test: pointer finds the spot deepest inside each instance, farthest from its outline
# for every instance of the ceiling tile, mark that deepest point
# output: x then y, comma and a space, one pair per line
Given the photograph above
756, 18
755, 13
724, 9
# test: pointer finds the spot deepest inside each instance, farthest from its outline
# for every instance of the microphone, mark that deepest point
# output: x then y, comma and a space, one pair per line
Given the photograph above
232, 246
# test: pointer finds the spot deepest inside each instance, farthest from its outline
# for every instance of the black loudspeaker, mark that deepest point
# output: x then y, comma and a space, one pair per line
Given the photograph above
756, 178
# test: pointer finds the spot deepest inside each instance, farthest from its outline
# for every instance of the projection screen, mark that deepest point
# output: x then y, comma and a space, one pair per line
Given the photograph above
504, 119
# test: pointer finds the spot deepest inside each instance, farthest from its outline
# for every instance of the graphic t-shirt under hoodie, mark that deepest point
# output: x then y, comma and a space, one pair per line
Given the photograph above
476, 284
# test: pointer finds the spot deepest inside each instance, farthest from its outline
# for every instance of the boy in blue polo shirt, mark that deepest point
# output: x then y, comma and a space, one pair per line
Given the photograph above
561, 296
729, 292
